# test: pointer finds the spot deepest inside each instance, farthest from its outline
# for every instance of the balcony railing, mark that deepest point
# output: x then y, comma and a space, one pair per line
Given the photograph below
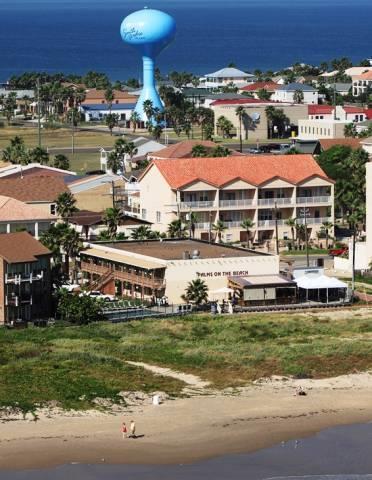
146, 281
233, 224
314, 221
312, 200
197, 205
270, 223
245, 202
202, 225
272, 201
17, 279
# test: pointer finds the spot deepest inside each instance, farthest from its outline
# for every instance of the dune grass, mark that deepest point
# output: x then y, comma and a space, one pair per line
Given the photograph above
73, 365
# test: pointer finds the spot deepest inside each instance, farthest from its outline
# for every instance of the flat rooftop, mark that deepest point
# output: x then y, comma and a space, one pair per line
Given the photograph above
175, 249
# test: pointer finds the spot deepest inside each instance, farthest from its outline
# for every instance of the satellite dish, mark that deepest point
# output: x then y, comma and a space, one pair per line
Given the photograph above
255, 116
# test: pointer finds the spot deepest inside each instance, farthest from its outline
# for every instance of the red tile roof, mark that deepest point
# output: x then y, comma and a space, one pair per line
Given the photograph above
254, 87
184, 149
320, 109
33, 188
365, 76
239, 101
20, 247
346, 142
255, 170
354, 110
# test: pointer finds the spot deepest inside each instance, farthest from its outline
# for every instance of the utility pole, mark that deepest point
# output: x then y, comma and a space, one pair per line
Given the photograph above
353, 265
210, 228
73, 132
113, 193
38, 112
304, 212
276, 229
190, 223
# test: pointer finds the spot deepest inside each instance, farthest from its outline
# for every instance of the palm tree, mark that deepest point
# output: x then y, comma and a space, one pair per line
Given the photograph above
66, 205
135, 119
156, 132
219, 227
112, 121
298, 96
219, 151
39, 155
72, 246
239, 111
109, 97
148, 108
61, 161
291, 222
131, 150
114, 162
112, 218
196, 292
301, 233
198, 151
224, 125
247, 224
326, 227
177, 229
350, 130
141, 233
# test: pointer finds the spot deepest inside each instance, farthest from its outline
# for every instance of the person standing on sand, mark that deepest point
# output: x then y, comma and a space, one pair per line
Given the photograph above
132, 429
124, 430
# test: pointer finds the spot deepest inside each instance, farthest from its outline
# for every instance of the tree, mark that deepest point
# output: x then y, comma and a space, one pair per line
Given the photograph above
263, 94
199, 151
78, 310
240, 112
111, 219
247, 224
135, 119
109, 97
9, 106
66, 205
61, 161
16, 152
276, 118
39, 155
177, 229
219, 227
219, 151
224, 125
291, 222
112, 121
148, 108
143, 232
114, 162
298, 96
157, 132
196, 292
131, 150
350, 130
326, 227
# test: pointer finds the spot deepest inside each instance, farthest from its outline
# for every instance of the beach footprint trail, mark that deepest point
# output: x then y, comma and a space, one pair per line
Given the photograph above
195, 385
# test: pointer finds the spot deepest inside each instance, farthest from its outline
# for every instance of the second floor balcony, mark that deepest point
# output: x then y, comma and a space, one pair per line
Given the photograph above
314, 200
200, 205
243, 202
265, 202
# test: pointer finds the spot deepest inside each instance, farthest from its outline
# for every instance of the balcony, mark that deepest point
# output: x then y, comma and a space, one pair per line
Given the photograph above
265, 202
202, 225
270, 223
233, 224
204, 205
245, 202
18, 279
314, 221
313, 200
145, 281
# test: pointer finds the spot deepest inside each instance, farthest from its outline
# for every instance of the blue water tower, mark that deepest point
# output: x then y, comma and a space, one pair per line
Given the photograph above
150, 31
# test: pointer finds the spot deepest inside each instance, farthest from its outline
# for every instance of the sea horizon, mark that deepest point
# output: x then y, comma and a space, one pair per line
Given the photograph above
82, 35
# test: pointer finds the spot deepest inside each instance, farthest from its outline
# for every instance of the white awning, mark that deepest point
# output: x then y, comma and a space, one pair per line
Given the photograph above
223, 290
315, 282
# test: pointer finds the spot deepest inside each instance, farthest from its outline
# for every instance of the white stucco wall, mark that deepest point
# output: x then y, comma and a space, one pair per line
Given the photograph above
215, 272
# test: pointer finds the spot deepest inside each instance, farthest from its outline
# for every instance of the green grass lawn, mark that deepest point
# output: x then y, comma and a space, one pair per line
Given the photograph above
73, 365
81, 162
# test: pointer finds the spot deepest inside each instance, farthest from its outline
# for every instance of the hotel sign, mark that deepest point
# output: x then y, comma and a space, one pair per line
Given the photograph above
236, 273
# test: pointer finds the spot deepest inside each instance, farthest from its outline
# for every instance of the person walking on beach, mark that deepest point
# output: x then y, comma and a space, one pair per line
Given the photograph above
124, 430
132, 429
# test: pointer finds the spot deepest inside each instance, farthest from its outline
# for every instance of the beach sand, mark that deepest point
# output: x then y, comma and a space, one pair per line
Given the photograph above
186, 430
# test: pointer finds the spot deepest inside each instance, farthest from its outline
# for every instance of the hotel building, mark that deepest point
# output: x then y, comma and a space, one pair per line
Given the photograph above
267, 189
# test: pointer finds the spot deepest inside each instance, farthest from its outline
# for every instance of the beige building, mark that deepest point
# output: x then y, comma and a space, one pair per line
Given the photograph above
255, 124
320, 129
267, 189
155, 268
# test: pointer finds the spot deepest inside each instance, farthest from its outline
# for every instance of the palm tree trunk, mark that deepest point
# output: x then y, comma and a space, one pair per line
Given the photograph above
240, 134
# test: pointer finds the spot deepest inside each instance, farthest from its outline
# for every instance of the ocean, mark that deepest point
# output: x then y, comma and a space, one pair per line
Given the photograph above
341, 453
80, 35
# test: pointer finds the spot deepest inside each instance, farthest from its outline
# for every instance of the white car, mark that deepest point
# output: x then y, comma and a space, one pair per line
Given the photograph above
102, 296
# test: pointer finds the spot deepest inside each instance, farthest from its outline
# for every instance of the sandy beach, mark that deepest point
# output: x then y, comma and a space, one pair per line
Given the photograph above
185, 430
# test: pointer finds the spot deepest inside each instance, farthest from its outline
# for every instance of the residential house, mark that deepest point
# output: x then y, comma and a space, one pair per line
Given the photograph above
362, 83
25, 287
95, 106
16, 216
286, 93
255, 124
267, 189
225, 76
184, 149
254, 88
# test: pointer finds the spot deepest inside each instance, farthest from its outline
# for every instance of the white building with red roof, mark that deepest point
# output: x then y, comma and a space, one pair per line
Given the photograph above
267, 189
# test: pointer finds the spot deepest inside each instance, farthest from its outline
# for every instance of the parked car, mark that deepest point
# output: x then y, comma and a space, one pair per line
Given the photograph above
337, 252
97, 294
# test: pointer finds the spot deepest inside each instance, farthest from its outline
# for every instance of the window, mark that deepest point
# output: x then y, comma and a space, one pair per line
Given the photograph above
158, 217
144, 213
53, 209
